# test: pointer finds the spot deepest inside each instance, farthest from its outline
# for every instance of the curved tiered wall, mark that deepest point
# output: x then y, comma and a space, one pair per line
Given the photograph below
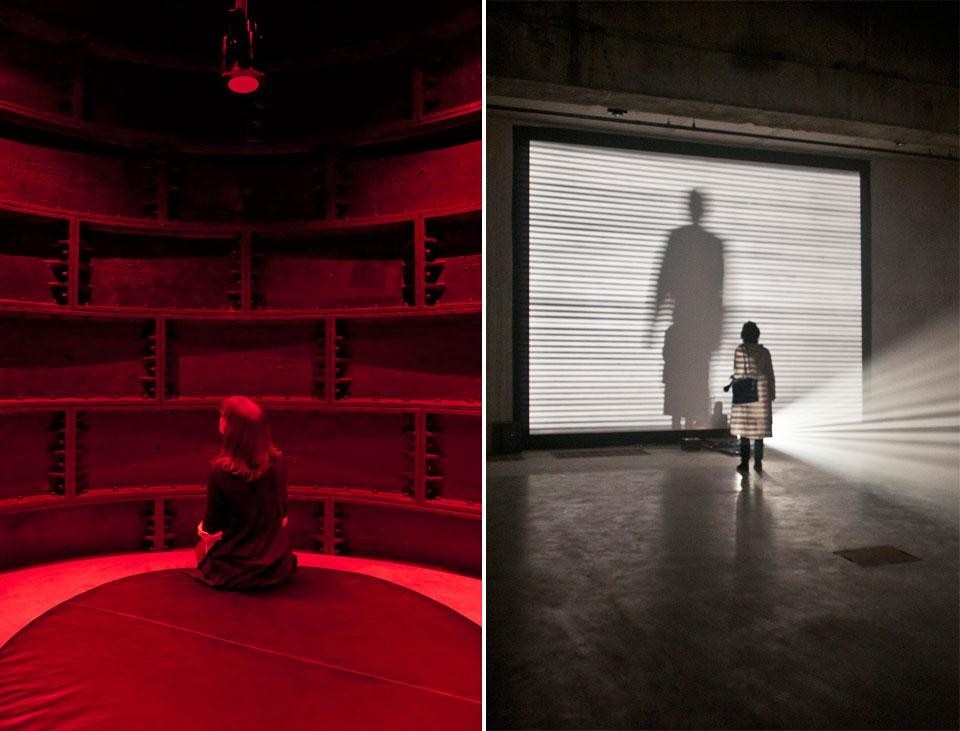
163, 245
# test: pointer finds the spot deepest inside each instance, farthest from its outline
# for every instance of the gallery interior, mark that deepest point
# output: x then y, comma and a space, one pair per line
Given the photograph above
658, 175
274, 200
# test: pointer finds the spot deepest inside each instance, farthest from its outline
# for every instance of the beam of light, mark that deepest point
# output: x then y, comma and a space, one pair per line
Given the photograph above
909, 435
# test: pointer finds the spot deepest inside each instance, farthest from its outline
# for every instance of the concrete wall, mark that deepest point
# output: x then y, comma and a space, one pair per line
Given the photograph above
915, 244
880, 69
863, 80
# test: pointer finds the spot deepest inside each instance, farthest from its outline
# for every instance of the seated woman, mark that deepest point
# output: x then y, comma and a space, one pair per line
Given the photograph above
243, 538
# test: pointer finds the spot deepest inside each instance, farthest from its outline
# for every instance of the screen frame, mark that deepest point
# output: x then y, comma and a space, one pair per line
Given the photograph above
522, 137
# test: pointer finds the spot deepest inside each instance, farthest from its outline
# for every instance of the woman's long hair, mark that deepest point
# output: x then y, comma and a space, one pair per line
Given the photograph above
247, 448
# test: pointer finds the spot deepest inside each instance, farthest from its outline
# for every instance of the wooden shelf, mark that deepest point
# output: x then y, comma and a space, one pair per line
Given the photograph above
55, 404
32, 502
446, 505
148, 226
444, 406
120, 137
173, 314
347, 495
362, 496
466, 408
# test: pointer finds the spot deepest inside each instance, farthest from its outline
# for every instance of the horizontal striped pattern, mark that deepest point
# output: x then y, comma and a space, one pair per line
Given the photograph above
599, 222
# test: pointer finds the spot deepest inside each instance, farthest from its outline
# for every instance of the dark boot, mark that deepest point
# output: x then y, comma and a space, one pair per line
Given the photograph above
744, 455
758, 455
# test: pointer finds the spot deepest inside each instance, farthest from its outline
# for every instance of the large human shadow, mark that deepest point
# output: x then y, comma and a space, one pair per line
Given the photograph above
691, 276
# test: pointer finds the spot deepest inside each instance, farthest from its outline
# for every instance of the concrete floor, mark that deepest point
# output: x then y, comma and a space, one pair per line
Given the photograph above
665, 591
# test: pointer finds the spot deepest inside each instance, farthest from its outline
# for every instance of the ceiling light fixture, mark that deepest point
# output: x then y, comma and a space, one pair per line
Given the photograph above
238, 46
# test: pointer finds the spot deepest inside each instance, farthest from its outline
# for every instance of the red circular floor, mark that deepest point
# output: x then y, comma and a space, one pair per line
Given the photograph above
330, 650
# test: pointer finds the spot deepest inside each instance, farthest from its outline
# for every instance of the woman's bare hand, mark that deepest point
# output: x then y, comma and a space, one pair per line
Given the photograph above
208, 538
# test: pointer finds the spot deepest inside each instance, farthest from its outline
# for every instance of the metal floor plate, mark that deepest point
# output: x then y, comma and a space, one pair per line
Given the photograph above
876, 555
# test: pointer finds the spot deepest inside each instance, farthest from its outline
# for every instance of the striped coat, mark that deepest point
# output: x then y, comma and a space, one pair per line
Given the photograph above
754, 421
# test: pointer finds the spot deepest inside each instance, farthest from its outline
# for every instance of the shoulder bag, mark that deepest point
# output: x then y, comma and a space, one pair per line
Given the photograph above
744, 389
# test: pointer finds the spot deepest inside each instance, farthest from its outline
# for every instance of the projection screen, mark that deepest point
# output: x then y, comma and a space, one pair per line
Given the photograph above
644, 265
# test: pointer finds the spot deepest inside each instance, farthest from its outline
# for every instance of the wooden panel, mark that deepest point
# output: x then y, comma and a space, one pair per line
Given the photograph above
151, 271
48, 358
34, 74
260, 359
453, 75
453, 543
55, 534
437, 178
454, 259
342, 450
457, 441
304, 522
183, 516
81, 181
226, 189
24, 244
423, 358
26, 454
363, 269
147, 448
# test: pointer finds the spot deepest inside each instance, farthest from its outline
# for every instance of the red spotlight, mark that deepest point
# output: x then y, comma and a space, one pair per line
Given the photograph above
238, 45
243, 81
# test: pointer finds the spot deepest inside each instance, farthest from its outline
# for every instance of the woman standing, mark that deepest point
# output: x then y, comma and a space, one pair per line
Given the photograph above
243, 539
753, 420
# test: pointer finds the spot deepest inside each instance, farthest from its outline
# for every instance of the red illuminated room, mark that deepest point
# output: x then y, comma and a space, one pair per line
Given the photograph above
274, 201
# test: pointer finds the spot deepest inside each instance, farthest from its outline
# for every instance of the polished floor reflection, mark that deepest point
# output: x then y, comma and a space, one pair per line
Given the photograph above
665, 591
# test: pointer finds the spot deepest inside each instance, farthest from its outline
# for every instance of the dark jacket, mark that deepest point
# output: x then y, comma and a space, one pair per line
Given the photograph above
255, 549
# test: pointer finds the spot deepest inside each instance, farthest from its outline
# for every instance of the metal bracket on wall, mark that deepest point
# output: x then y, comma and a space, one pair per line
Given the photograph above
337, 186
159, 519
418, 92
321, 358
419, 260
150, 358
73, 263
57, 475
235, 294
341, 359
410, 452
419, 485
59, 264
331, 538
432, 470
246, 271
433, 266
